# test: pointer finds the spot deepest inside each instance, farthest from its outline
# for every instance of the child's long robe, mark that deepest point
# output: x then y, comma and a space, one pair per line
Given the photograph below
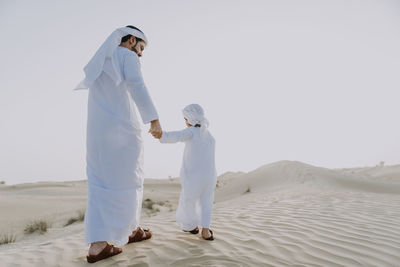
115, 150
198, 176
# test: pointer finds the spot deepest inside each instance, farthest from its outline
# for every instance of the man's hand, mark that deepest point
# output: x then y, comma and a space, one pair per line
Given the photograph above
155, 129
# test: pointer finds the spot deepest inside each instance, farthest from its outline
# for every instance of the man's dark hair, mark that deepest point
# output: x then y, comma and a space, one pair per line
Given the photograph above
126, 37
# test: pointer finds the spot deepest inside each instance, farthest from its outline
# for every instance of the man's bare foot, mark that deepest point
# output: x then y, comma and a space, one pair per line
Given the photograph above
97, 247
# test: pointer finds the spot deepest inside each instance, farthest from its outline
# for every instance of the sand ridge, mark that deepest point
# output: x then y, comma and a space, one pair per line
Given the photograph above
282, 214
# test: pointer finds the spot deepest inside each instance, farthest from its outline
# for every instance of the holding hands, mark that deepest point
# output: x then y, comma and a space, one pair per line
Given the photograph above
155, 129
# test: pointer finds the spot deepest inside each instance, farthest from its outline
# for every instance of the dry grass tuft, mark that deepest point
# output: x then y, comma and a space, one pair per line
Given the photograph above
7, 239
79, 218
153, 207
40, 226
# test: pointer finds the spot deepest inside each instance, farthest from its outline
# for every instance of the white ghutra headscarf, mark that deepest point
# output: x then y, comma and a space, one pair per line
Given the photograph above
95, 66
194, 113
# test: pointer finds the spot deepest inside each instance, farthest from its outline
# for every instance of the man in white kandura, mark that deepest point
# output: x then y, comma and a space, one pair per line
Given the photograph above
198, 176
114, 143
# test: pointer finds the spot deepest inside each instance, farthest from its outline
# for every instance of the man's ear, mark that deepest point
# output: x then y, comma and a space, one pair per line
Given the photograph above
132, 40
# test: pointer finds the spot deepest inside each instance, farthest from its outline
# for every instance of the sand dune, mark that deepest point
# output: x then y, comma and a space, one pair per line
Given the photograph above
281, 214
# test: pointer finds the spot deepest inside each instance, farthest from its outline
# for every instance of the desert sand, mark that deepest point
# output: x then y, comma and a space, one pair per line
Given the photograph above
282, 214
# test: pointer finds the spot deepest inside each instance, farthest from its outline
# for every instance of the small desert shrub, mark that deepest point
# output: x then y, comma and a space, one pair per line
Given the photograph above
2, 182
148, 203
7, 238
154, 206
79, 218
36, 226
248, 190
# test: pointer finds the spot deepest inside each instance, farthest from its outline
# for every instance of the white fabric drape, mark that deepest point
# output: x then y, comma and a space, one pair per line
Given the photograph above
115, 150
194, 113
106, 51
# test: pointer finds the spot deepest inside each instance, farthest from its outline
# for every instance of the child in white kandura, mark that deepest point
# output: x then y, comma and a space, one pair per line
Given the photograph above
198, 175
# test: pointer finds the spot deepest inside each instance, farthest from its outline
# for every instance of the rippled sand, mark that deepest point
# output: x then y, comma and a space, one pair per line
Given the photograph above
282, 214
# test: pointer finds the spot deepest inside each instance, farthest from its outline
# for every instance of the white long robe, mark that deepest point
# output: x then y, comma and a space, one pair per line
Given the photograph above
198, 176
115, 150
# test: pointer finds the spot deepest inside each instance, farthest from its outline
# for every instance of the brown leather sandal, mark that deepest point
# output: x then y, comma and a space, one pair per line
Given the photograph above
107, 252
140, 235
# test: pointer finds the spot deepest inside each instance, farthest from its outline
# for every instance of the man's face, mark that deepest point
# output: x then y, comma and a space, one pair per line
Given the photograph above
139, 47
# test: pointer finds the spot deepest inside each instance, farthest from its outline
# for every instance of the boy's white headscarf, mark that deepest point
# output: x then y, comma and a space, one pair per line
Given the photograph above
194, 113
95, 66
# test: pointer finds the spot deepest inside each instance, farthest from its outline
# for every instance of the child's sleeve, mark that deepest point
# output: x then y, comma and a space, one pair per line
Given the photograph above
176, 136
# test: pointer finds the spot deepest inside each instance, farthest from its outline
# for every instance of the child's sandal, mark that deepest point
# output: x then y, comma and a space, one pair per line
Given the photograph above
211, 238
195, 231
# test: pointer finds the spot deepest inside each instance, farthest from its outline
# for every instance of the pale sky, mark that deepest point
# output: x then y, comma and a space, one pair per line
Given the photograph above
313, 81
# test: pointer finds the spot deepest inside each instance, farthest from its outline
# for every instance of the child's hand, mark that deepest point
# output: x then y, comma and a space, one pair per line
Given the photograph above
155, 129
